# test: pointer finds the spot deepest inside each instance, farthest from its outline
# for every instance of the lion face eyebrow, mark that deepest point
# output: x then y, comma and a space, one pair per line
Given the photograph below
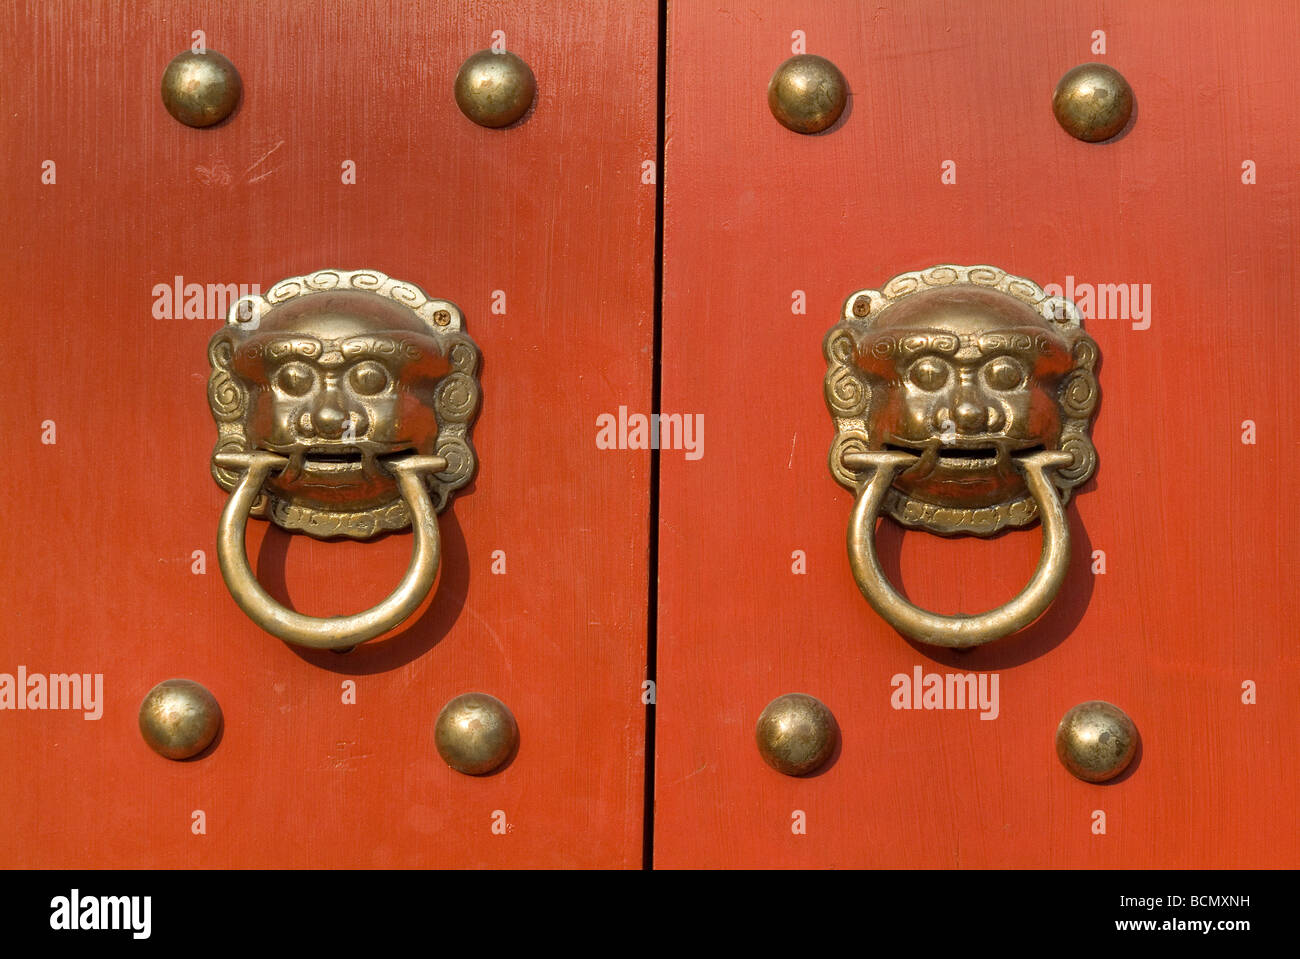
882, 350
390, 348
380, 346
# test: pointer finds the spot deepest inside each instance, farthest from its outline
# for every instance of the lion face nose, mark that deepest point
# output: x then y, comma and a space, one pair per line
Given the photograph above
970, 418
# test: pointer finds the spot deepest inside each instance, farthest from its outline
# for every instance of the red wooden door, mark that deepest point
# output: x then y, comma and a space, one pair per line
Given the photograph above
1179, 597
543, 234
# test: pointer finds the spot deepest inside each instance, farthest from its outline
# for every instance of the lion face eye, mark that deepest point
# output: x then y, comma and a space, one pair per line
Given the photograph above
928, 374
296, 379
368, 378
1004, 373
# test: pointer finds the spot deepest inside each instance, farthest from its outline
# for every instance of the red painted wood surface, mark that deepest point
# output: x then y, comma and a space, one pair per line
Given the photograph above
1199, 594
100, 527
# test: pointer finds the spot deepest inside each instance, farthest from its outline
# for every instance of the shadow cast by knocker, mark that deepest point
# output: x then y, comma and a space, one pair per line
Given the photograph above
412, 639
1041, 637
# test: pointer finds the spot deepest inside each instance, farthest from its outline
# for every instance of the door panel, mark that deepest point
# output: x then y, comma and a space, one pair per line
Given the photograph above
1196, 594
542, 595
103, 524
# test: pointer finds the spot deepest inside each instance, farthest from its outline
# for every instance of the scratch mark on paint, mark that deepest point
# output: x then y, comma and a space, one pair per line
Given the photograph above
683, 779
252, 166
493, 633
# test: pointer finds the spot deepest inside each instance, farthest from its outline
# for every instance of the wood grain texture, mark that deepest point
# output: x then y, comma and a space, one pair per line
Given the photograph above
1199, 592
100, 527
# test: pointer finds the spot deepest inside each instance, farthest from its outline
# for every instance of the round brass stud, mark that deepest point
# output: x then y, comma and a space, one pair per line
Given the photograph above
1093, 102
807, 93
179, 718
475, 733
495, 89
1096, 741
796, 734
200, 89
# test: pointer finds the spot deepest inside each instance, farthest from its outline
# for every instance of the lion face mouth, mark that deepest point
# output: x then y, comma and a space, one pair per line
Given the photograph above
973, 458
333, 459
964, 460
338, 466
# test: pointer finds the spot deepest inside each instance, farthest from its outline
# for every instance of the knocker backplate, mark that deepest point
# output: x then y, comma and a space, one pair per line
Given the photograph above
339, 370
965, 368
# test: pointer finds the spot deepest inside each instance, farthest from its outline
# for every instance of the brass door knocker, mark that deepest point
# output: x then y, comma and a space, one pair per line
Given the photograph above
343, 401
962, 399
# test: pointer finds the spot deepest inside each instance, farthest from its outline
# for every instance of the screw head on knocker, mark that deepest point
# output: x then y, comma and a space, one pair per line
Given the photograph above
962, 399
343, 401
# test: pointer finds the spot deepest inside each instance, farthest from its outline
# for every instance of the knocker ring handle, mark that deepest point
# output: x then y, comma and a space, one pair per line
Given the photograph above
335, 632
957, 631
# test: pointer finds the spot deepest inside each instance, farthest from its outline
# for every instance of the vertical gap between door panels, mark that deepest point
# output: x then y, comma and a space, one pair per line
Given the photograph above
652, 579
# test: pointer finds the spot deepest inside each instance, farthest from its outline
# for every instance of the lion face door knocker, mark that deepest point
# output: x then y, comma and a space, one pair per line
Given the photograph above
962, 399
343, 402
